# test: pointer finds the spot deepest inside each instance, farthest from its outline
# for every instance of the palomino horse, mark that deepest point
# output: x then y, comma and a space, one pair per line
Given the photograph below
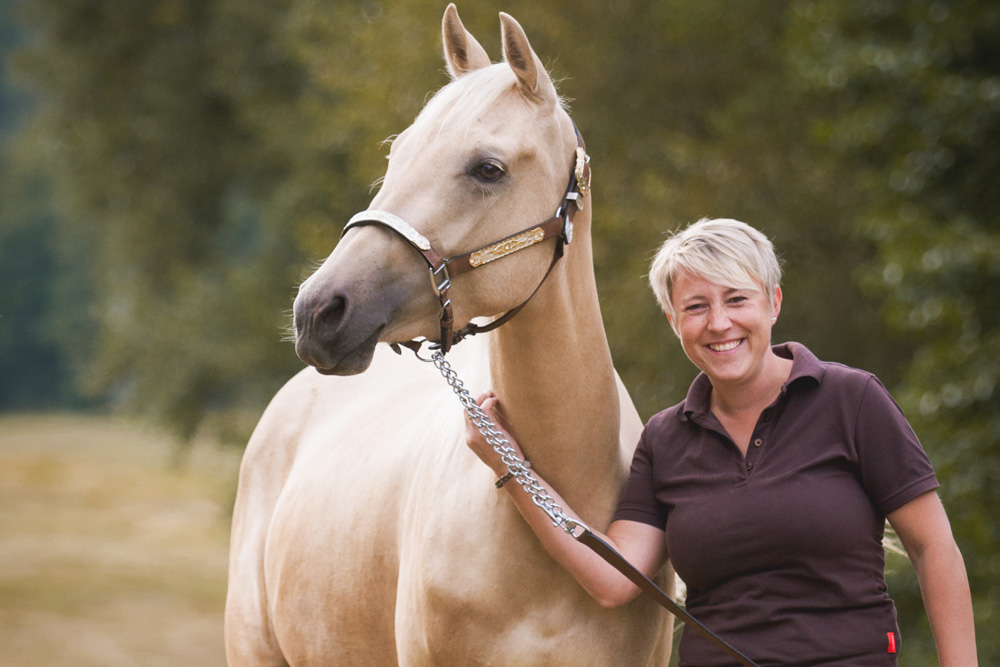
365, 532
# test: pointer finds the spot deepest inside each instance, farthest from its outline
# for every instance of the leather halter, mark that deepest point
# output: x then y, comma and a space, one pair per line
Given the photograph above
442, 271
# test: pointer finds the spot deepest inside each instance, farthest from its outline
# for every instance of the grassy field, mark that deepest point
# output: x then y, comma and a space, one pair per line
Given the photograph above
111, 551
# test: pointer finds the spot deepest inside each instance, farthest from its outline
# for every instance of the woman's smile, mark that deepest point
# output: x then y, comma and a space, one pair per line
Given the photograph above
727, 346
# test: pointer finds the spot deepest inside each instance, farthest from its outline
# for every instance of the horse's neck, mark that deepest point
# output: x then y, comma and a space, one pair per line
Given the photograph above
553, 372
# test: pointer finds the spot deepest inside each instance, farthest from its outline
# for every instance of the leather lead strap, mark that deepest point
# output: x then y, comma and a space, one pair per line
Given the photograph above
607, 552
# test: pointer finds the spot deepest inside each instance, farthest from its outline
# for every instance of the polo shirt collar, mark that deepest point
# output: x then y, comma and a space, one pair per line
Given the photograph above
804, 365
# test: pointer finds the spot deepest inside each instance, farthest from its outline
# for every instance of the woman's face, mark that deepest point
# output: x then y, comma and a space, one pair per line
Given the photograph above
725, 331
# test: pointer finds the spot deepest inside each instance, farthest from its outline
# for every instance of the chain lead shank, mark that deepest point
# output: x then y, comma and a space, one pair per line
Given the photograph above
496, 439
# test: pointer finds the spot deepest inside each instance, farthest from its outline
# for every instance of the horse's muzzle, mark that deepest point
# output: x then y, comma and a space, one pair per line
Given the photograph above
329, 339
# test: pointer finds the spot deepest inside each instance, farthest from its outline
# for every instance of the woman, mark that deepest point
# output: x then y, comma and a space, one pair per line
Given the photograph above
770, 484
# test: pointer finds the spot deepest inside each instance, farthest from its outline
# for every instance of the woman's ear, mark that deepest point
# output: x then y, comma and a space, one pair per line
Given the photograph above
776, 304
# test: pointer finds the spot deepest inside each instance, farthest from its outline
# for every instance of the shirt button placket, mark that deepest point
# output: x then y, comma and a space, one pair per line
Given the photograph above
752, 453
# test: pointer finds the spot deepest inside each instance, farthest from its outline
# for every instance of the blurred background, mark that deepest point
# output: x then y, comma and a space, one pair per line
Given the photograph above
170, 170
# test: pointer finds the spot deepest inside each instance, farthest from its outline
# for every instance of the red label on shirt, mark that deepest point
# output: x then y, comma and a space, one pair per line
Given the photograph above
892, 641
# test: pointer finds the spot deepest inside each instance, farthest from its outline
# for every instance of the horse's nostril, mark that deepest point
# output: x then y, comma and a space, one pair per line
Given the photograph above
330, 317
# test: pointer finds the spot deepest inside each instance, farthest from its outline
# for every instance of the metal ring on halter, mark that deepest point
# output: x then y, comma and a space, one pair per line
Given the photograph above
445, 284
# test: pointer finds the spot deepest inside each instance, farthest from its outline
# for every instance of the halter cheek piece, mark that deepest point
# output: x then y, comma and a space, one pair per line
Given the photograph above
442, 271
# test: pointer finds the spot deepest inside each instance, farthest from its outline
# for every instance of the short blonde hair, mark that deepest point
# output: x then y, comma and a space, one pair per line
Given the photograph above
725, 252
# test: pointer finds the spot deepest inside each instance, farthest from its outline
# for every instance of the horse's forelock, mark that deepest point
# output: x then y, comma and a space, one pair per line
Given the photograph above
469, 96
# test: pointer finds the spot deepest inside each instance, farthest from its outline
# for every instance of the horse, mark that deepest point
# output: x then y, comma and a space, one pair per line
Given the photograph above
364, 530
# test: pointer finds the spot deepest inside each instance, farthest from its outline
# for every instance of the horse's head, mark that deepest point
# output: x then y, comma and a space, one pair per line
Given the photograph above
487, 157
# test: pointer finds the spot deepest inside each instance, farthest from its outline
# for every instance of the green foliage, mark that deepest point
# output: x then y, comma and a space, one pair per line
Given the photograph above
150, 128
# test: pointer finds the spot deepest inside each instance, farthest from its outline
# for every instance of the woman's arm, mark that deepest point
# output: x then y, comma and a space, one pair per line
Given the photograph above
923, 527
643, 545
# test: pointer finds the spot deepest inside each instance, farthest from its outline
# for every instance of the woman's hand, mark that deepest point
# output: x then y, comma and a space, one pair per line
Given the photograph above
643, 545
490, 404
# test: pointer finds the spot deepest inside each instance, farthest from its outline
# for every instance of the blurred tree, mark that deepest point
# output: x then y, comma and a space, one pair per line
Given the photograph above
915, 91
161, 125
32, 369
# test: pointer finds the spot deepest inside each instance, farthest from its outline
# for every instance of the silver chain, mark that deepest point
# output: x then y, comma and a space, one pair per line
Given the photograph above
516, 466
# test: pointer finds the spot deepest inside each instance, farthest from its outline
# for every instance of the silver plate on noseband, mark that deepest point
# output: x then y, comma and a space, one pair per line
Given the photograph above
393, 221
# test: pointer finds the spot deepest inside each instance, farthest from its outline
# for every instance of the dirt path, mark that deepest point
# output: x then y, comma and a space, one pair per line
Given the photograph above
109, 555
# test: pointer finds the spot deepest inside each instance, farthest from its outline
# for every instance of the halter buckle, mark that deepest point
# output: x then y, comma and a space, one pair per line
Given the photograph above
577, 199
445, 284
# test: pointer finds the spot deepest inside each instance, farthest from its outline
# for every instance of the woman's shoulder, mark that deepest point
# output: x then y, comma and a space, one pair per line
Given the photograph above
832, 375
666, 421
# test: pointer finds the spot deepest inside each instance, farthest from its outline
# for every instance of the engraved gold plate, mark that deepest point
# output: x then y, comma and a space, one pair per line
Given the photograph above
504, 248
581, 174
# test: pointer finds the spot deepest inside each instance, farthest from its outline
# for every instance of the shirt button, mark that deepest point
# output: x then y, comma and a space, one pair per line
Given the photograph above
749, 465
758, 442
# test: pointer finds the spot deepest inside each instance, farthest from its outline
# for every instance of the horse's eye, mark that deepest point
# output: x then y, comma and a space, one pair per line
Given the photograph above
488, 171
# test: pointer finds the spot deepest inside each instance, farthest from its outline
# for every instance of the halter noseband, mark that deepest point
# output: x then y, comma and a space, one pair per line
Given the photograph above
442, 271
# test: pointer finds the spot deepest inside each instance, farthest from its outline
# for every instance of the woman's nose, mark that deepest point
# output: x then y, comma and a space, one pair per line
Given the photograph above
718, 320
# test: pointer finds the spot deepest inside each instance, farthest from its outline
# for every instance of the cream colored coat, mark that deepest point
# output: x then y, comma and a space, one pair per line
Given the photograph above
365, 532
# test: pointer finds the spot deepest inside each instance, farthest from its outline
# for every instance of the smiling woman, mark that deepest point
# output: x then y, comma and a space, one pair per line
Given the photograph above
717, 282
769, 486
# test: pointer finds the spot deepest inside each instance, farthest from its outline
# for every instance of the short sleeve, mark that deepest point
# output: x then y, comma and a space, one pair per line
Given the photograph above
894, 467
638, 500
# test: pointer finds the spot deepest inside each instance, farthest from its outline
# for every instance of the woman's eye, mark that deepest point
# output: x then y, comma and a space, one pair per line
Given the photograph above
488, 171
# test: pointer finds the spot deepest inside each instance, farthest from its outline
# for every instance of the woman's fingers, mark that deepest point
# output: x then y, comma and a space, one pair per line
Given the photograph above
490, 405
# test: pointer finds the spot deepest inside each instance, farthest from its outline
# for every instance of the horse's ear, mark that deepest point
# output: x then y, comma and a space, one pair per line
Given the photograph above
532, 78
461, 50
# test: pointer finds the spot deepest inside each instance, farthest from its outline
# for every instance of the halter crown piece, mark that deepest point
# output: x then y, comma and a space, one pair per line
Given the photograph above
442, 271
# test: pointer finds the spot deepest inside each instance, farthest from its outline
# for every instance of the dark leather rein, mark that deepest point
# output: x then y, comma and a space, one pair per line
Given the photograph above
443, 271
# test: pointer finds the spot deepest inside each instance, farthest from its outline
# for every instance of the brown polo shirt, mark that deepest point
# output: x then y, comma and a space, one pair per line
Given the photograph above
781, 551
